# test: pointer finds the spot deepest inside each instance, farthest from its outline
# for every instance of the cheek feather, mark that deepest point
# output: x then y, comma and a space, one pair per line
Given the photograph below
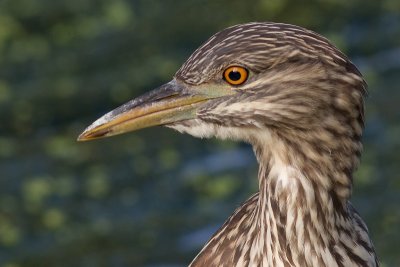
201, 129
194, 128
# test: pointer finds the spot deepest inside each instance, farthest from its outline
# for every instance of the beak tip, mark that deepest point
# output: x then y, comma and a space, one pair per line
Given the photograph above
92, 133
83, 137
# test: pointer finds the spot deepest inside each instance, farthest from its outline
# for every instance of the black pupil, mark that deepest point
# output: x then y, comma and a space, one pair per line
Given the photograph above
234, 75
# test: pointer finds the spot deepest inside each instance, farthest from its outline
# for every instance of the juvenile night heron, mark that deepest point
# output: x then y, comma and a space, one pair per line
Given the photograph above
299, 101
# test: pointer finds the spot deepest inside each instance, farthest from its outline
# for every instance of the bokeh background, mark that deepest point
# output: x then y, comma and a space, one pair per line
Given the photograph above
153, 197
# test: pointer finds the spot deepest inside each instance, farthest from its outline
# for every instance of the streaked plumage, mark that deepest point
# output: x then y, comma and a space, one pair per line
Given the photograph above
302, 110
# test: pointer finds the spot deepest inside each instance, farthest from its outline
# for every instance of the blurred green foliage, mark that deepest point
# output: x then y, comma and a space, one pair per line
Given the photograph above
153, 197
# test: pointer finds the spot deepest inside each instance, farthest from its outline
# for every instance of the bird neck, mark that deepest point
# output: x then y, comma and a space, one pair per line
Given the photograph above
310, 162
297, 191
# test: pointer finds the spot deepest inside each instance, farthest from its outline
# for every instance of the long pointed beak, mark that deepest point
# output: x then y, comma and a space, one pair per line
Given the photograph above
171, 102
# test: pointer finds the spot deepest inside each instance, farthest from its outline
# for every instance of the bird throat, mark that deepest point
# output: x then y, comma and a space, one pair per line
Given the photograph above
303, 210
296, 219
295, 212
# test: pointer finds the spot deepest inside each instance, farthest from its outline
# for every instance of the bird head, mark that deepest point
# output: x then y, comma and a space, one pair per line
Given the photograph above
253, 82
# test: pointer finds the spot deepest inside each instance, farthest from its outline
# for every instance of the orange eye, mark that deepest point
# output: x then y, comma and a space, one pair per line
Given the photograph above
235, 75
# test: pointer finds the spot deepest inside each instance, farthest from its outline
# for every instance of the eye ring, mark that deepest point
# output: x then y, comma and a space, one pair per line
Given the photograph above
235, 75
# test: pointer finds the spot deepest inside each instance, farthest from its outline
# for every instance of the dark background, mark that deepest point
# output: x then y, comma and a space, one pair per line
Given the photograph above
153, 197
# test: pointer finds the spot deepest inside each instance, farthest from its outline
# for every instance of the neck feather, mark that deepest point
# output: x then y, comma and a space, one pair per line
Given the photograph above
297, 218
300, 207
